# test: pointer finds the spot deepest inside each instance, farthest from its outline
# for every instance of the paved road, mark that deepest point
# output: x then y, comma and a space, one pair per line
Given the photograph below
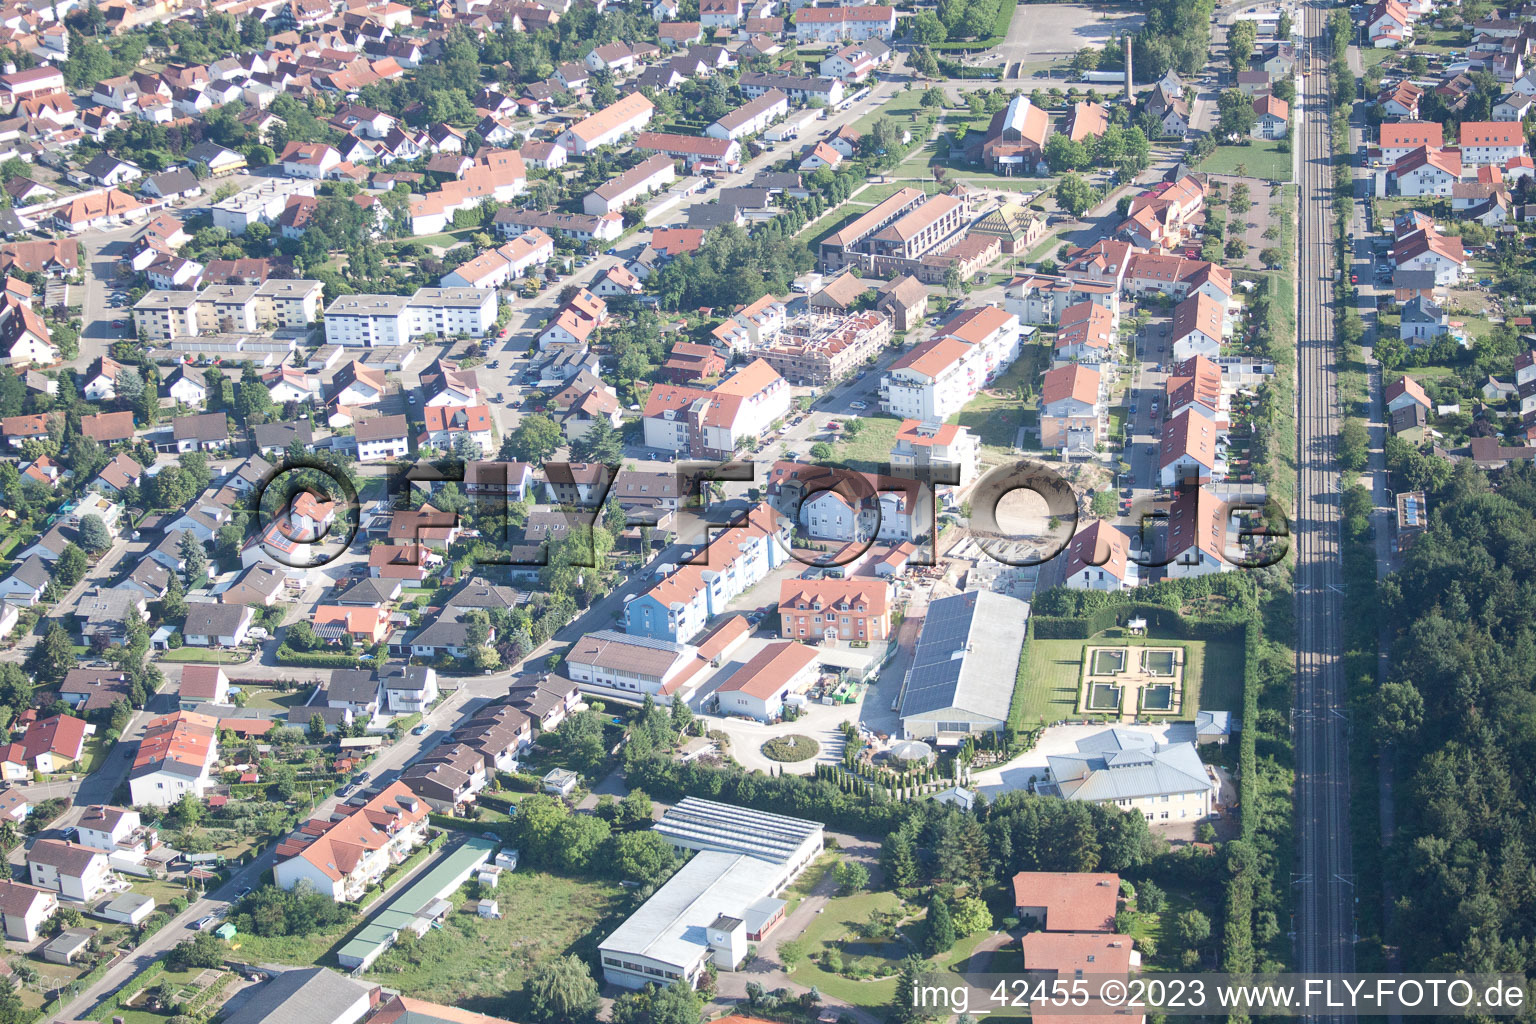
1325, 922
385, 768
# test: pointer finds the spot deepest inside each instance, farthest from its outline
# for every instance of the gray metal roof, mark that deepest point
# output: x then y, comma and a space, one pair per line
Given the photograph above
967, 656
1118, 764
707, 825
671, 925
310, 995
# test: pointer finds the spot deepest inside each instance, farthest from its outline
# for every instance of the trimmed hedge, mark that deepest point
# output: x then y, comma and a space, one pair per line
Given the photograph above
496, 802
320, 659
131, 988
1159, 617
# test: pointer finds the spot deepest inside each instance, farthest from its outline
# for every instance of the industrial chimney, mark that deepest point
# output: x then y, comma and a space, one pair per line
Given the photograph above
1130, 94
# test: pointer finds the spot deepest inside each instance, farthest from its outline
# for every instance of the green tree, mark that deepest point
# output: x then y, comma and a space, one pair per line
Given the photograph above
927, 29
642, 857
191, 551
635, 809
55, 656
676, 1004
1235, 114
908, 1007
1074, 195
1354, 445
561, 991
971, 916
94, 537
189, 809
821, 451
535, 439
301, 637
791, 954
70, 567
1399, 711
940, 933
601, 443
1240, 39
1193, 928
174, 604
852, 877
316, 727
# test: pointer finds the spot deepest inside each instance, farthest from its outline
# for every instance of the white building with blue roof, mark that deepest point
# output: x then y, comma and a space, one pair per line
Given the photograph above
1165, 782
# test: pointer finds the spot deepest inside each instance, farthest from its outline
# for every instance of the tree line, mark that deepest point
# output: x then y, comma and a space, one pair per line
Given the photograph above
1457, 716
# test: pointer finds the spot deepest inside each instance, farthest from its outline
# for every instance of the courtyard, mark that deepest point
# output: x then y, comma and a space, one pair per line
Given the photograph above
1128, 681
1051, 685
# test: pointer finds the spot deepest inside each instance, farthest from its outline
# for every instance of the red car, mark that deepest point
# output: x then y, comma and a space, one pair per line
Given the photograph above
1354, 278
117, 324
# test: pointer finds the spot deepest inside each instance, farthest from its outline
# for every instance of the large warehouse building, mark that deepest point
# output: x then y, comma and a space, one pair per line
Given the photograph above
962, 674
726, 897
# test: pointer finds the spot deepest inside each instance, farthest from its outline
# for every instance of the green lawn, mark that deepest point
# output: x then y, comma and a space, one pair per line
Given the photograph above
203, 654
816, 230
480, 964
302, 950
995, 415
836, 923
906, 107
999, 181
1047, 686
256, 697
809, 879
837, 927
872, 195
872, 446
1260, 159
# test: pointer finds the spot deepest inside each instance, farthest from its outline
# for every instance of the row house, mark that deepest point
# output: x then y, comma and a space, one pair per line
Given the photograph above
344, 854
715, 422
834, 24
700, 154
678, 607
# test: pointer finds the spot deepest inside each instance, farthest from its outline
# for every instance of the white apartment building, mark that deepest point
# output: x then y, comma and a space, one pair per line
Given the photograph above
387, 320
168, 315
934, 380
259, 204
1491, 142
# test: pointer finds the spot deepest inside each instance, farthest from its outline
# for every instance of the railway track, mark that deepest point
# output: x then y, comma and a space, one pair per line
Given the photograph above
1324, 885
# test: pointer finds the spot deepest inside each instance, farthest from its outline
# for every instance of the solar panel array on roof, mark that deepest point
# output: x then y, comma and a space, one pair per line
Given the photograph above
967, 655
707, 825
1411, 511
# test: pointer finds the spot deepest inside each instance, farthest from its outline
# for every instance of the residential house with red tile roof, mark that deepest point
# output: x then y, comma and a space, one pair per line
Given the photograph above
343, 854
835, 609
1072, 410
176, 756
1098, 558
1067, 901
715, 422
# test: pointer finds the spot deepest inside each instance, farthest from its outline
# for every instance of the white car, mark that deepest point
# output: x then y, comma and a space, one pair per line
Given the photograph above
858, 405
